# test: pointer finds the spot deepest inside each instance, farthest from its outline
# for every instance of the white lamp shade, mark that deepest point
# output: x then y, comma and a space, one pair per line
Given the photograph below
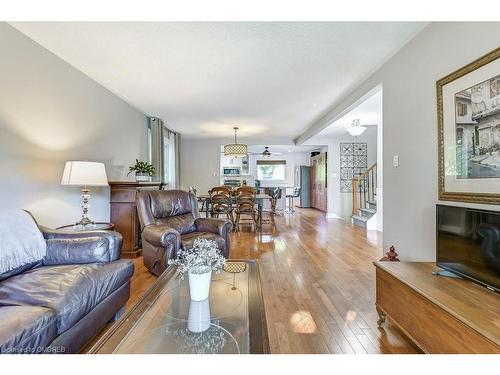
84, 173
356, 130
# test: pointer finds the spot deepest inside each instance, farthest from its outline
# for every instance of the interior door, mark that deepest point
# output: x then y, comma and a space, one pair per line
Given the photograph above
318, 182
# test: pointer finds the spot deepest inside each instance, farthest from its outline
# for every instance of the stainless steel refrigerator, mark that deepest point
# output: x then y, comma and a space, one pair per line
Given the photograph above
303, 180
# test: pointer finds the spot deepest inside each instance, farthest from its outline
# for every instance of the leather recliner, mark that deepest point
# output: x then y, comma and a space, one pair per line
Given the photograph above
169, 221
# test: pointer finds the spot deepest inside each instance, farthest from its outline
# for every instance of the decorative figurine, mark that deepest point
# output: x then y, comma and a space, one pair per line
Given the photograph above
391, 255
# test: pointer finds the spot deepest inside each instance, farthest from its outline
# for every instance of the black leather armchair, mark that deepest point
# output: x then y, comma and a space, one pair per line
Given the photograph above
61, 302
170, 220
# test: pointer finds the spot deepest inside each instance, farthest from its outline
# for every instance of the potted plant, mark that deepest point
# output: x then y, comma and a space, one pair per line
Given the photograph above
143, 170
199, 262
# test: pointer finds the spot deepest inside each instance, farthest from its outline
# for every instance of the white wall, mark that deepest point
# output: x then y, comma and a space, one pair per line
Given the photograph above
200, 163
49, 113
410, 127
340, 204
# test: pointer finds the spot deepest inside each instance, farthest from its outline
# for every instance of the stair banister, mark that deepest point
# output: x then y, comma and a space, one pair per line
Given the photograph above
364, 189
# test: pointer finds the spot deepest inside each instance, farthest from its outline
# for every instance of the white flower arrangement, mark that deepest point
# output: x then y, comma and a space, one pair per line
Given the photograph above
203, 257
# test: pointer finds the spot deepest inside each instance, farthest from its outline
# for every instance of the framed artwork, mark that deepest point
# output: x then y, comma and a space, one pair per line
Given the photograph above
468, 103
353, 162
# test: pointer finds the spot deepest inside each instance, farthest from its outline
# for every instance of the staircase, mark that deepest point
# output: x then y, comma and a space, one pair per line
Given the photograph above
364, 197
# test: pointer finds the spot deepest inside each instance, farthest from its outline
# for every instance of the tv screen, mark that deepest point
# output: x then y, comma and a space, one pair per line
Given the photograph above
468, 243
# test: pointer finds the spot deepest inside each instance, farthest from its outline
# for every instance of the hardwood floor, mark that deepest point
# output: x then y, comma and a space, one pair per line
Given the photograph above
318, 283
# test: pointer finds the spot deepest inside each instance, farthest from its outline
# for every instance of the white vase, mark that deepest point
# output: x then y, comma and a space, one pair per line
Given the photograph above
199, 316
199, 285
142, 177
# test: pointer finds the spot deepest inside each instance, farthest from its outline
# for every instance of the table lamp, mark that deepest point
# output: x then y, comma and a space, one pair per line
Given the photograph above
84, 174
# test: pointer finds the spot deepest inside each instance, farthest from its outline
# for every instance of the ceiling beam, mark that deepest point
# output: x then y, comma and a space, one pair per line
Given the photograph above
340, 109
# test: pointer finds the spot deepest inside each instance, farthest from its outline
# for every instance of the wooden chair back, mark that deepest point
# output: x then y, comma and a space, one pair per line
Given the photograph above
220, 197
245, 199
247, 189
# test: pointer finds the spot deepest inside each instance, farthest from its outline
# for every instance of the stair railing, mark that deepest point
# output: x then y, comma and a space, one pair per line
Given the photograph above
364, 188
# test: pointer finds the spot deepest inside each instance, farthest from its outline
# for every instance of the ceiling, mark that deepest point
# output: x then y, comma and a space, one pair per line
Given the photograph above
369, 113
272, 79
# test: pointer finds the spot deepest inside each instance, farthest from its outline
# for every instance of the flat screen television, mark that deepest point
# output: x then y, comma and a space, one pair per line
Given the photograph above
468, 244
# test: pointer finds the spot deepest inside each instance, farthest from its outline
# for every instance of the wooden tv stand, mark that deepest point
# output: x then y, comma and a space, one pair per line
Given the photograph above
439, 314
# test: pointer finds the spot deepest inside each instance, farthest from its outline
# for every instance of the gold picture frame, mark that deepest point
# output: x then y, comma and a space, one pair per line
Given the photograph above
473, 197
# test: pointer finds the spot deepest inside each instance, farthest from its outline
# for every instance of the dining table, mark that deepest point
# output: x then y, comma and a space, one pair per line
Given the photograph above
260, 198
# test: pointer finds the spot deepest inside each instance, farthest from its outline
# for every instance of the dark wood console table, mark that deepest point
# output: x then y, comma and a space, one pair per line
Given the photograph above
439, 314
124, 213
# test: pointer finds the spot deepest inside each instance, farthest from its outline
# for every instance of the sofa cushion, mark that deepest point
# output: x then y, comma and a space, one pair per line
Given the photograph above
20, 269
71, 291
22, 242
187, 240
26, 329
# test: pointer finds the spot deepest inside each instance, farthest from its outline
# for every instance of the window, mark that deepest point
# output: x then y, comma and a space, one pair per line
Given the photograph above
271, 169
461, 109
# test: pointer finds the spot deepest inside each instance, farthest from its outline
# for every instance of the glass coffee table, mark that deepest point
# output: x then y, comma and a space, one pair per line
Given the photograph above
165, 320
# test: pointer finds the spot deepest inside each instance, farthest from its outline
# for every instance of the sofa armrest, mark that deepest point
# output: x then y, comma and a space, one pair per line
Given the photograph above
115, 239
222, 227
77, 251
162, 236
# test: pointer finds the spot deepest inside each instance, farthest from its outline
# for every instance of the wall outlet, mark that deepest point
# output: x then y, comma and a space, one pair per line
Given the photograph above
395, 161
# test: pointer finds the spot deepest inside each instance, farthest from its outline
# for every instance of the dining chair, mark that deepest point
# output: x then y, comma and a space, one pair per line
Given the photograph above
247, 188
202, 206
245, 205
221, 199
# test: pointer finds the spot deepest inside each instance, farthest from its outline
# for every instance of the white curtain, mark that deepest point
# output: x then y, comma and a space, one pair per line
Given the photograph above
163, 153
170, 159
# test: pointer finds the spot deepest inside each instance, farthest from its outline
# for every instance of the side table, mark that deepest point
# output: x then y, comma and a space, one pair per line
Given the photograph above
95, 226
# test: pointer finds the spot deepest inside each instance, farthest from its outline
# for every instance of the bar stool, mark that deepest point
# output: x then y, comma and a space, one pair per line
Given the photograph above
295, 194
275, 194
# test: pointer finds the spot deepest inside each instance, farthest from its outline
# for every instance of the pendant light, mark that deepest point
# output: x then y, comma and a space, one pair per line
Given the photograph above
266, 153
356, 129
235, 150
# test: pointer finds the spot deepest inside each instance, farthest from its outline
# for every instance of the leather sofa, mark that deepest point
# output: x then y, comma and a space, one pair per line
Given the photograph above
57, 305
169, 221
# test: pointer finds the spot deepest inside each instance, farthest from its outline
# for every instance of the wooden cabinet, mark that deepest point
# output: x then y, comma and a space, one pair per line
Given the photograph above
319, 171
123, 213
439, 314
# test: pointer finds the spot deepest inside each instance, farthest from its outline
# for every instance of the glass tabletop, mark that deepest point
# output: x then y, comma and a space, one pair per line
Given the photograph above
166, 320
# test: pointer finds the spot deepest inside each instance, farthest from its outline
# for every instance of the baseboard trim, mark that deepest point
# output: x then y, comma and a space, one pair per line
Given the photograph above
333, 216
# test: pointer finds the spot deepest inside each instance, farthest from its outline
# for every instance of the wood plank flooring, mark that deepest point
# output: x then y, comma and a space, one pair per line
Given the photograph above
318, 283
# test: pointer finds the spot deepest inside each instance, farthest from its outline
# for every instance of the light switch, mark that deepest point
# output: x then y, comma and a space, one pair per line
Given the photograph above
395, 161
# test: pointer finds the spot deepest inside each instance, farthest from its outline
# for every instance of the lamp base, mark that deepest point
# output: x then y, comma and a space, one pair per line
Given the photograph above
85, 208
85, 221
